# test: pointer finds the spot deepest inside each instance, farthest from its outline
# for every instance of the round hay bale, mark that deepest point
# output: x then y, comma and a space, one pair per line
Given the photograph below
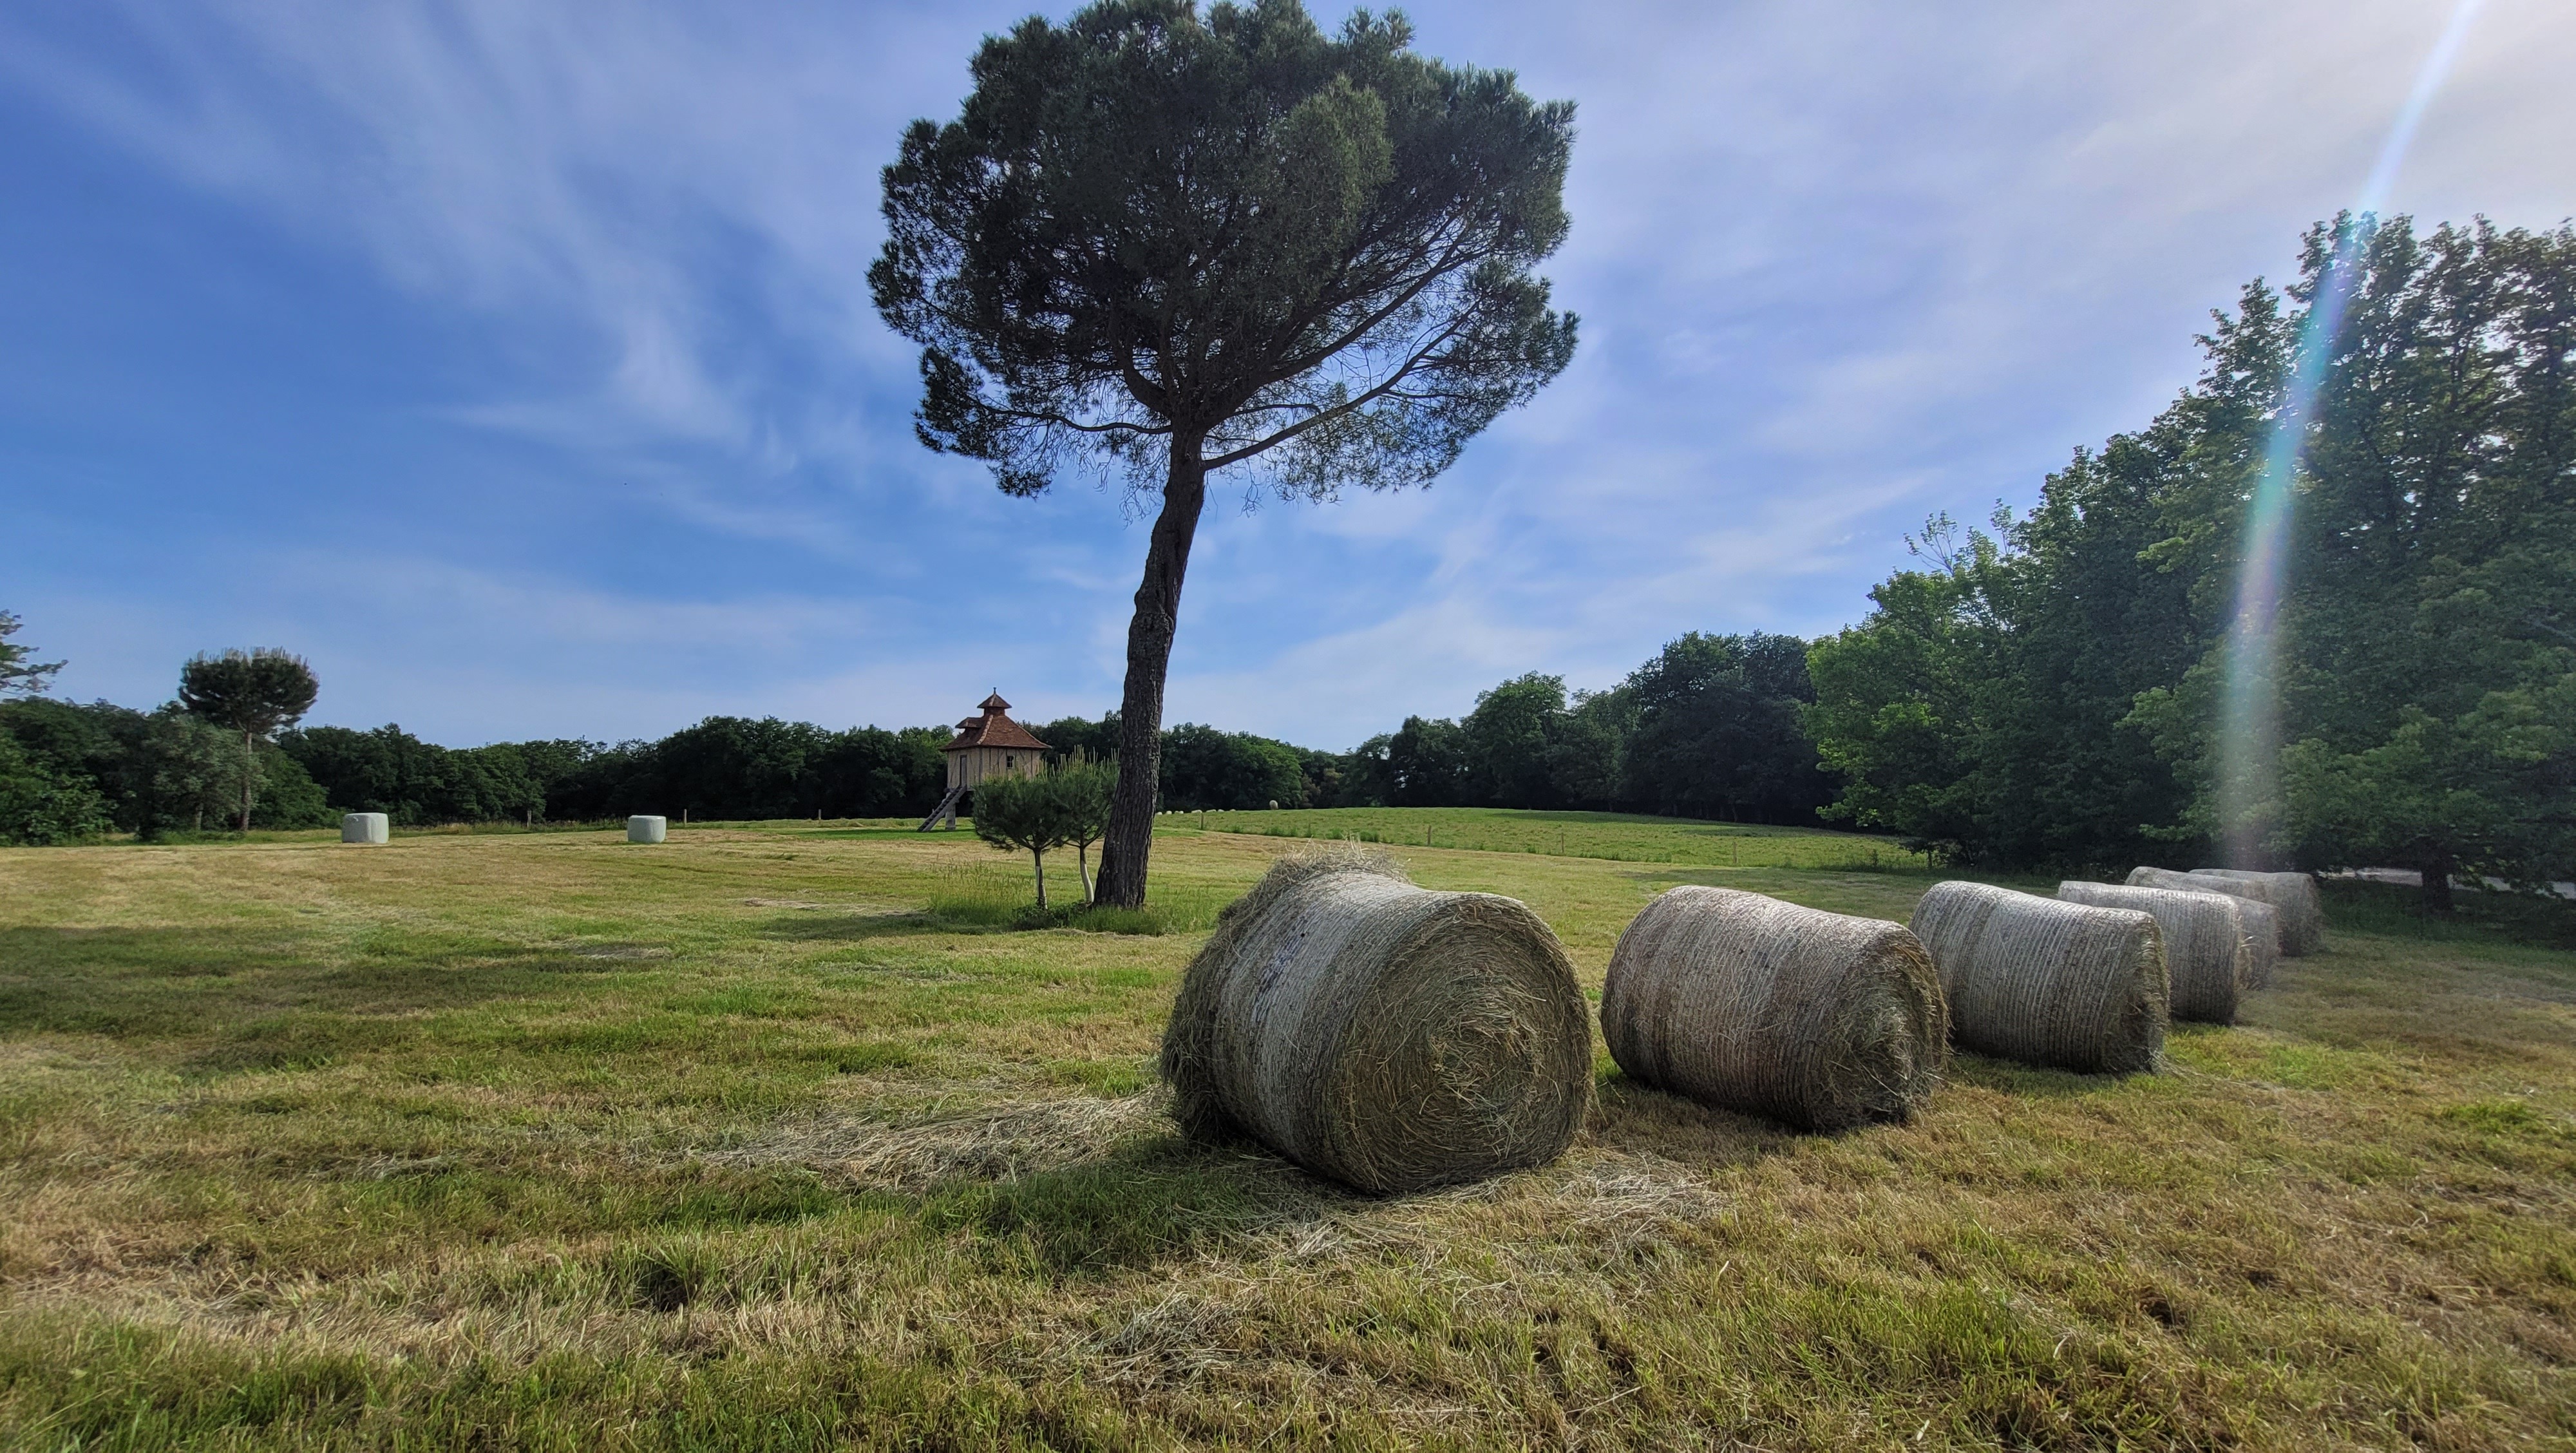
647, 829
2294, 935
370, 828
2262, 924
2206, 958
1817, 1019
1378, 1033
2302, 909
2045, 982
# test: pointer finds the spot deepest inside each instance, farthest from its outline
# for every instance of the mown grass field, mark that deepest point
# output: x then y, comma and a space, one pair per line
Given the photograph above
1615, 836
542, 1140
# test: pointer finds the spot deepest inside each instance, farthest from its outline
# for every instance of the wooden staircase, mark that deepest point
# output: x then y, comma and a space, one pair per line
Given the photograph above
946, 811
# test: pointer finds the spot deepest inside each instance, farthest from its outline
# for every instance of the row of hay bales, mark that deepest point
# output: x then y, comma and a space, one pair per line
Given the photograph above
373, 829
1392, 1037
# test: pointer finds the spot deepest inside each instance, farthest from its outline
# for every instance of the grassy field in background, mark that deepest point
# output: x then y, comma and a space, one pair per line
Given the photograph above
763, 1137
1618, 837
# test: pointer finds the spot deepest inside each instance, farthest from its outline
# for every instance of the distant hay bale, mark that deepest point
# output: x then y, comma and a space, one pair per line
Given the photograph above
1375, 1032
364, 827
2207, 958
2297, 932
2303, 911
2046, 982
647, 829
1748, 1003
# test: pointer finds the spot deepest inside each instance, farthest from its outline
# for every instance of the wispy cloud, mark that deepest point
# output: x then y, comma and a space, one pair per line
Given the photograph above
1840, 264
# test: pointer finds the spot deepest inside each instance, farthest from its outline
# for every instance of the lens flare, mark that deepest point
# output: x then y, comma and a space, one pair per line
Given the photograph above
2249, 768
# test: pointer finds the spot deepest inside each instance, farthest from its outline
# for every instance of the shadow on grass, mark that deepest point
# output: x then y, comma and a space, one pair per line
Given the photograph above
1146, 1203
812, 926
271, 999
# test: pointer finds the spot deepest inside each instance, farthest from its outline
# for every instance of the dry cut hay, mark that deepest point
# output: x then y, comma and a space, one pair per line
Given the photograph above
1744, 1002
2294, 935
1378, 1033
2294, 895
2206, 954
2046, 982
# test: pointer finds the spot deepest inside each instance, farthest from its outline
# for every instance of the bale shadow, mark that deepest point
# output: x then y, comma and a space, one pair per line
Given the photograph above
1633, 1116
2033, 1082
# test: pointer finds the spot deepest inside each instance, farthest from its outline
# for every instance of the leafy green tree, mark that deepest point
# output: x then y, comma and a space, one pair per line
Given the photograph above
1719, 731
41, 805
2051, 693
18, 675
1203, 767
1172, 244
1427, 764
1022, 814
253, 693
184, 769
1510, 742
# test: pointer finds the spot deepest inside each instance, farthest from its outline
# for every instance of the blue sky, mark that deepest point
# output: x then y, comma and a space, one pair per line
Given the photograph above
513, 363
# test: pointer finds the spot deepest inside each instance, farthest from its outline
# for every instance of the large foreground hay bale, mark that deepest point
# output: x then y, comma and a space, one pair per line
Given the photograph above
2302, 909
647, 829
2207, 958
2046, 982
1748, 1003
2295, 933
370, 828
1378, 1033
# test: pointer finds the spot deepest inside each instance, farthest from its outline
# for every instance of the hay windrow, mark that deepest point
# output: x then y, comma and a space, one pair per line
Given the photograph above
2207, 956
1817, 1019
2301, 923
2045, 982
1381, 1034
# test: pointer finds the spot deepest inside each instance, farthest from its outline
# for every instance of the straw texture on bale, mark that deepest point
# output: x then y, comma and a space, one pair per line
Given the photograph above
2292, 935
1744, 1002
2045, 982
2206, 956
2262, 940
2303, 911
1378, 1033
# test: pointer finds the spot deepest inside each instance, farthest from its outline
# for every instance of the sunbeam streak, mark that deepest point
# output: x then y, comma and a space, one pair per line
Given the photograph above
2250, 731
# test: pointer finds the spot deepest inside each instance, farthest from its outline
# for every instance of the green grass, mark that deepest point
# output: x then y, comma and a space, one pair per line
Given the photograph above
783, 1134
1617, 837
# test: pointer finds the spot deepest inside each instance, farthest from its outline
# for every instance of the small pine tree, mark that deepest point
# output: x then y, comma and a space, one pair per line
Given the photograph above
1021, 814
1084, 790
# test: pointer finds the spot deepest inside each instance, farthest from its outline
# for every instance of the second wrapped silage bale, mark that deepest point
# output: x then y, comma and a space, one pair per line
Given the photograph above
2295, 933
2046, 982
1378, 1033
1817, 1019
2207, 957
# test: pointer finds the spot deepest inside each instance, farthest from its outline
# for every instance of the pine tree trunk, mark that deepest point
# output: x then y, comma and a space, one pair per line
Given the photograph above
1130, 839
1041, 862
2437, 883
1082, 869
246, 768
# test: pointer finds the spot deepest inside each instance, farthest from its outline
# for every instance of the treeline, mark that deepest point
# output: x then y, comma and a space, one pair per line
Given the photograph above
1711, 727
2055, 691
